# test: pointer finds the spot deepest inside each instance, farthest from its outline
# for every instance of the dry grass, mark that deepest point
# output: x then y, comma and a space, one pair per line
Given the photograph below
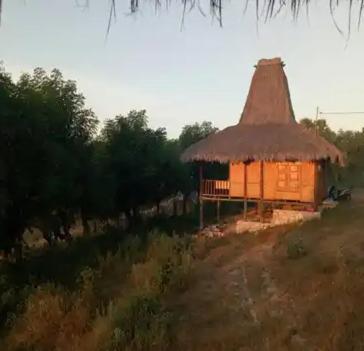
273, 297
247, 292
117, 306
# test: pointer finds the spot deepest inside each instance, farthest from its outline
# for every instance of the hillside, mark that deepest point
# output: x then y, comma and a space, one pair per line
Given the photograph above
297, 288
286, 288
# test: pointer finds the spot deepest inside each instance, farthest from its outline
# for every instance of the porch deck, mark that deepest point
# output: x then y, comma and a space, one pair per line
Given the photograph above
220, 190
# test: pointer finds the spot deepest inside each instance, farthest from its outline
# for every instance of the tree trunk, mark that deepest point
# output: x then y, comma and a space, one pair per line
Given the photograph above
136, 214
185, 198
128, 217
174, 207
85, 224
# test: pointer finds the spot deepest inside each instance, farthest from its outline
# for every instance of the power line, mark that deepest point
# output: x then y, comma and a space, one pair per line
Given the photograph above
320, 113
342, 113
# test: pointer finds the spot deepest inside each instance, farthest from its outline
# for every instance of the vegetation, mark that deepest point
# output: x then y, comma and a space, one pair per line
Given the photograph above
131, 290
267, 10
165, 292
54, 166
352, 143
119, 304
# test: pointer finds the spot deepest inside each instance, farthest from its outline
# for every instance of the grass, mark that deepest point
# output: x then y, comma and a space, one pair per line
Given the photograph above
107, 293
288, 288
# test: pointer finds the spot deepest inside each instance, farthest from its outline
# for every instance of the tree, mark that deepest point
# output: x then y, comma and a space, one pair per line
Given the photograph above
321, 126
44, 134
192, 133
351, 143
142, 164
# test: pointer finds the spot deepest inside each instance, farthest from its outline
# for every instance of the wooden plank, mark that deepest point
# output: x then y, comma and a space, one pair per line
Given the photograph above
253, 175
316, 185
236, 172
261, 186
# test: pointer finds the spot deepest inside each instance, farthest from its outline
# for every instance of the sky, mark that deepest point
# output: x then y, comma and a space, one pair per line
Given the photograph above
190, 74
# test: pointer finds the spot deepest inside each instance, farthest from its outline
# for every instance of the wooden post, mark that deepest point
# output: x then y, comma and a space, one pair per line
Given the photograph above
201, 213
218, 211
245, 190
261, 204
200, 198
200, 180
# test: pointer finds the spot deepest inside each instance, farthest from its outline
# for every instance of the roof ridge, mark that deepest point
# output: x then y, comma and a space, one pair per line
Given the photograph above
269, 98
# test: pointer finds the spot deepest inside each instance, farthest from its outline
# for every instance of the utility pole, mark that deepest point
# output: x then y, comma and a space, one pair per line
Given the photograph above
316, 124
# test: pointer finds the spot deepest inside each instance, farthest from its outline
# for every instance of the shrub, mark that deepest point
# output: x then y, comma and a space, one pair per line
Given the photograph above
90, 317
167, 265
53, 319
141, 324
296, 248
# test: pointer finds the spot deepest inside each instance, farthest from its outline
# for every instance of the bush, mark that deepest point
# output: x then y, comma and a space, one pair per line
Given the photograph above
142, 324
167, 265
105, 309
52, 320
296, 248
11, 299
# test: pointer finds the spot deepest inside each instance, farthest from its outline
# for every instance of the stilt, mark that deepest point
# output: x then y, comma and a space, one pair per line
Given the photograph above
218, 211
201, 201
261, 210
245, 208
200, 175
201, 213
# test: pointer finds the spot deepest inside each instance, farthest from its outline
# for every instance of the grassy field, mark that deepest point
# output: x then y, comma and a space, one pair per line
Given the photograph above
287, 288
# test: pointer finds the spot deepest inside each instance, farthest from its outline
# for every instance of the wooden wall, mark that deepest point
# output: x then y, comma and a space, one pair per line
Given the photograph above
297, 181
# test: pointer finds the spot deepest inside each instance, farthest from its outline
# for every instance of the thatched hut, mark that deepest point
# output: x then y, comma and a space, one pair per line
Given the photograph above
271, 157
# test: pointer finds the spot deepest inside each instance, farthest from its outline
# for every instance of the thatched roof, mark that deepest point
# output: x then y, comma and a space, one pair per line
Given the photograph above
267, 129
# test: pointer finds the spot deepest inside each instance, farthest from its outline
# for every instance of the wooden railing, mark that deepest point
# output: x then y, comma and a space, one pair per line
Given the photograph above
219, 188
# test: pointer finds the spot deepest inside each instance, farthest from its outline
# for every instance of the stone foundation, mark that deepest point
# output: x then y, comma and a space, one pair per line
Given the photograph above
280, 217
288, 216
242, 226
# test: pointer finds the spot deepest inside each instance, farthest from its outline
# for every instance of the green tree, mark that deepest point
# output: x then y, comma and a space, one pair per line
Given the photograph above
321, 126
44, 133
351, 143
192, 133
142, 165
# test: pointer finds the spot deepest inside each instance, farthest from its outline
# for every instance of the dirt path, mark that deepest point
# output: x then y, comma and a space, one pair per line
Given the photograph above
247, 293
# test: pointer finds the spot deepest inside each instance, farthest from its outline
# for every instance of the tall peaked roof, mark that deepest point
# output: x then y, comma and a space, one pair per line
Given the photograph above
268, 100
267, 129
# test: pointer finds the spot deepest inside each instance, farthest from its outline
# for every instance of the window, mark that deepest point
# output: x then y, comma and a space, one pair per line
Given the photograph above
288, 176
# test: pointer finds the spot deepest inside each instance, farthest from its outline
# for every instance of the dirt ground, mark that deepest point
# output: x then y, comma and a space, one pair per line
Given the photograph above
287, 288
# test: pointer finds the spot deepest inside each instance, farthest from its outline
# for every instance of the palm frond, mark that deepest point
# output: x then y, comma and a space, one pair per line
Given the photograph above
263, 8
